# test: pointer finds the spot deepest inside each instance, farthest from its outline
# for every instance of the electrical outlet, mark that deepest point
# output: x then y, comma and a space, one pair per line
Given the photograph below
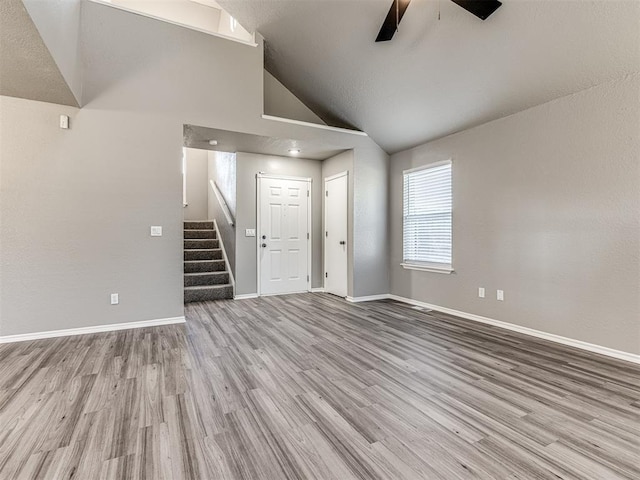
114, 299
156, 231
481, 292
500, 295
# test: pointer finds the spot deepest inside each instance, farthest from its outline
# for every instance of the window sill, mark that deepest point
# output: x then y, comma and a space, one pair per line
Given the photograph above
428, 268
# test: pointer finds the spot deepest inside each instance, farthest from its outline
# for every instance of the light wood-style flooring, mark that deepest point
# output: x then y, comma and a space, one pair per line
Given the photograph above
311, 387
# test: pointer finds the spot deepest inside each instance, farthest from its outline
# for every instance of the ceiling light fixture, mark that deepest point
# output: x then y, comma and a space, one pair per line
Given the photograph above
294, 151
213, 143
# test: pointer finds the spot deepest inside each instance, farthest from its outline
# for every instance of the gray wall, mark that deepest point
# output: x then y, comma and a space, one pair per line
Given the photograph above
343, 162
76, 205
370, 224
197, 184
222, 170
280, 102
547, 208
76, 210
247, 166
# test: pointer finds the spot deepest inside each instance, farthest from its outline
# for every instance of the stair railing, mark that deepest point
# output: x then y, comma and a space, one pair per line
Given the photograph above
225, 258
222, 202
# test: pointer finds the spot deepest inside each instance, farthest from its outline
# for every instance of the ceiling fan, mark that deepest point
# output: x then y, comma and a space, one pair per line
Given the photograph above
480, 8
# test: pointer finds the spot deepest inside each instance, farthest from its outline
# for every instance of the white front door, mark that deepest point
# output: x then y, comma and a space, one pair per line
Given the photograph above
283, 235
335, 241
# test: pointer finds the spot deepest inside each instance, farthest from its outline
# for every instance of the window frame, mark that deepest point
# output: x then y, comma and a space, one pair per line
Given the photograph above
435, 267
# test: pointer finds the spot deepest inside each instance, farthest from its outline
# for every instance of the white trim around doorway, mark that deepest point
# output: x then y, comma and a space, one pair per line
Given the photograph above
309, 225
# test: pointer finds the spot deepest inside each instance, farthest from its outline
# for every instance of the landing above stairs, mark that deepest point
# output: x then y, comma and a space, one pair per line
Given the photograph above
205, 271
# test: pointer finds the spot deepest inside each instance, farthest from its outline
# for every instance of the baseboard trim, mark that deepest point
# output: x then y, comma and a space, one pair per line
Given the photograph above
368, 298
246, 296
609, 352
68, 332
317, 290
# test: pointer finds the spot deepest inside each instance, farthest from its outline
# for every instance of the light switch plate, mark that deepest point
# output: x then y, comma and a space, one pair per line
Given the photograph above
500, 295
115, 299
64, 121
250, 232
156, 231
481, 292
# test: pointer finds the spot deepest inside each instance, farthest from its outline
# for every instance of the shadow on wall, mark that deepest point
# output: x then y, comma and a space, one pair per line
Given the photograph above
221, 199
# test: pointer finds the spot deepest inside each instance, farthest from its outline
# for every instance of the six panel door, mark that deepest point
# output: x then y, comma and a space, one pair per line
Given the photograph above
283, 235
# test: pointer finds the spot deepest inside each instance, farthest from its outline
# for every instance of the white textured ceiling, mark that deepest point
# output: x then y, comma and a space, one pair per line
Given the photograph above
228, 141
439, 76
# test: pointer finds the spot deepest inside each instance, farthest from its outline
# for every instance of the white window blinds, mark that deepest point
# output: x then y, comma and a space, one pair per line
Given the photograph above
427, 216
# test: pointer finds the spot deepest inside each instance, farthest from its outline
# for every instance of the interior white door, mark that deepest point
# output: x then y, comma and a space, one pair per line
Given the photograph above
283, 235
335, 252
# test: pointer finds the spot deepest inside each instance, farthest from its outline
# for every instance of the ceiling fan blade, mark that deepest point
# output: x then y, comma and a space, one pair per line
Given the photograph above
480, 8
390, 24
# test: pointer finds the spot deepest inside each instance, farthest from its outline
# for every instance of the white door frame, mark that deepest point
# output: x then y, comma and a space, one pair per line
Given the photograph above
258, 223
324, 225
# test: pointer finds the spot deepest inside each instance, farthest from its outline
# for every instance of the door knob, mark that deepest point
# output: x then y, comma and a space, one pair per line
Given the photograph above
264, 245
342, 242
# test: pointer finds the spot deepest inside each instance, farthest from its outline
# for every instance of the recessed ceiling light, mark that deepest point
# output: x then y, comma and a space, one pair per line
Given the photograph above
213, 143
294, 151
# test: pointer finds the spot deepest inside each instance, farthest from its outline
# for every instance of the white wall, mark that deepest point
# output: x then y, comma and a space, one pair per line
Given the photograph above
222, 170
197, 184
546, 208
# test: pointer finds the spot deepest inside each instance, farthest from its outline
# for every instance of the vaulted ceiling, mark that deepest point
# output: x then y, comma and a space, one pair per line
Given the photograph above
27, 69
445, 70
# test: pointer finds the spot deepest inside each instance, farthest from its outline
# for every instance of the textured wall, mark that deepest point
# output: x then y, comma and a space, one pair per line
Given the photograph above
247, 166
197, 185
77, 205
547, 208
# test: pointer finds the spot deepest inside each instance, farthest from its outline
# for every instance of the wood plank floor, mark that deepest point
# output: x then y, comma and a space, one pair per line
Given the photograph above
311, 387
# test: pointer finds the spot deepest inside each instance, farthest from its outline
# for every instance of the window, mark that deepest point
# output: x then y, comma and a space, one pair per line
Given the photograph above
427, 213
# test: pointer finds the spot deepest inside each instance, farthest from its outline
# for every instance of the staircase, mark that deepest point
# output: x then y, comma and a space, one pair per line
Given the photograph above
205, 271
